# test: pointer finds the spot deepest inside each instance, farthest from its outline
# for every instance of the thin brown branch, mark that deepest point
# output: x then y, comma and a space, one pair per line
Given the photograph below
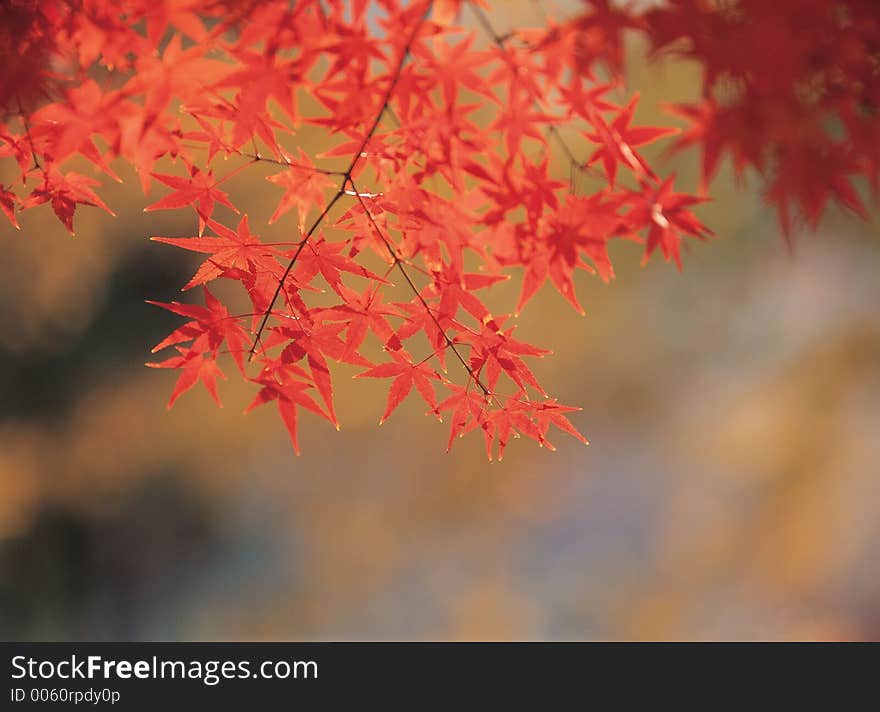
400, 266
500, 41
339, 193
27, 131
346, 175
257, 156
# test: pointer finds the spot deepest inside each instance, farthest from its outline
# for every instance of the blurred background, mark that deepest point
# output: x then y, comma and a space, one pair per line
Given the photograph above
731, 489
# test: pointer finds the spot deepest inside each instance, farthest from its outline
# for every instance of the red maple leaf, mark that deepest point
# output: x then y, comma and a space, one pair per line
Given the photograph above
666, 216
284, 387
497, 352
617, 141
65, 191
8, 202
194, 366
406, 375
326, 258
304, 189
361, 314
199, 190
237, 249
211, 325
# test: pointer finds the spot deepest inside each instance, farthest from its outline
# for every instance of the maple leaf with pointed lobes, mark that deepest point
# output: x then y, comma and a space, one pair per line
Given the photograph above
211, 135
411, 93
600, 35
451, 67
326, 258
551, 412
705, 130
65, 191
468, 406
182, 15
67, 128
446, 12
178, 72
808, 178
739, 130
585, 103
520, 120
211, 325
506, 192
496, 351
355, 220
261, 81
248, 124
617, 139
533, 419
279, 385
262, 77
500, 418
27, 51
447, 139
199, 190
195, 366
354, 51
17, 148
406, 375
541, 188
533, 189
237, 249
430, 229
8, 203
512, 417
418, 319
562, 242
520, 72
553, 45
101, 35
361, 314
778, 80
666, 216
143, 141
350, 111
304, 189
314, 342
281, 25
457, 289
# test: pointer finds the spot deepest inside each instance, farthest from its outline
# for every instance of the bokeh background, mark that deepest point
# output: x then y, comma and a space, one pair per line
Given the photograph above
732, 488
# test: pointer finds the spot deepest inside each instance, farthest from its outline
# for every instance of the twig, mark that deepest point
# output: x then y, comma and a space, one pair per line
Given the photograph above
399, 264
346, 175
27, 131
500, 40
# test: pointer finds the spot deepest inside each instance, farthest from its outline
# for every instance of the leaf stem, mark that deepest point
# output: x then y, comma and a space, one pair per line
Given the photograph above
399, 263
346, 175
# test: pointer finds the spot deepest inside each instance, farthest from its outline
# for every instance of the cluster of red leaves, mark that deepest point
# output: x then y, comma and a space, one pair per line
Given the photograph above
791, 88
419, 180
